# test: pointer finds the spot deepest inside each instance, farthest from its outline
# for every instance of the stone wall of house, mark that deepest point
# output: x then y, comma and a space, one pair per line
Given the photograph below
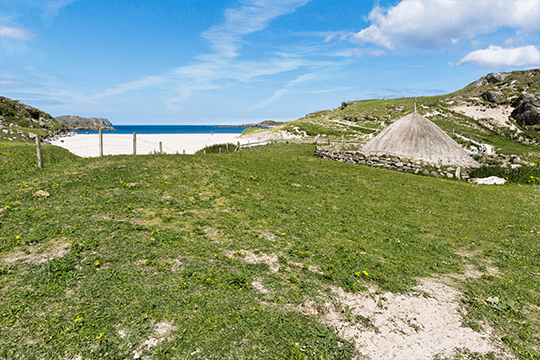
394, 163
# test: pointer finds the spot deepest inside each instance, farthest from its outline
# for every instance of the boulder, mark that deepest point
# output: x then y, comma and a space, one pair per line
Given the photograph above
492, 180
42, 193
492, 96
527, 109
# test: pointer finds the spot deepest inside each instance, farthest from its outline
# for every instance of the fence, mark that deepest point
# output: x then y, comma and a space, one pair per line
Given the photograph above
250, 144
127, 144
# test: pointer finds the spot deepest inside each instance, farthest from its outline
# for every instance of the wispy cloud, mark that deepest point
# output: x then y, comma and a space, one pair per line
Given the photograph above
289, 89
277, 95
436, 23
252, 16
15, 33
30, 86
286, 90
495, 57
133, 85
343, 88
221, 68
52, 8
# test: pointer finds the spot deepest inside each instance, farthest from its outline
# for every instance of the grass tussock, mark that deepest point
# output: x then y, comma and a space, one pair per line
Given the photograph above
217, 149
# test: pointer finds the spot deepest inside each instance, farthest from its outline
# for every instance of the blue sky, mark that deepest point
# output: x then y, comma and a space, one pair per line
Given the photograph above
237, 61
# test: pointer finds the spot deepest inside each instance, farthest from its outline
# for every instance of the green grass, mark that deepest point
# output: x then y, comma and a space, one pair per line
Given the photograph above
522, 175
217, 149
161, 238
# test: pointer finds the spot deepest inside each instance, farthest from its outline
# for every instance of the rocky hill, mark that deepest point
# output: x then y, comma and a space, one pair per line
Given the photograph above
21, 122
81, 123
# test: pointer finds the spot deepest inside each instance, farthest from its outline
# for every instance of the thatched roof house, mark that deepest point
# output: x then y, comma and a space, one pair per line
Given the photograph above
415, 137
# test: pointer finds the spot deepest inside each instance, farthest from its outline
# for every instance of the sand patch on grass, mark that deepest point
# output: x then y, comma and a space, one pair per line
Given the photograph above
500, 114
253, 258
38, 254
423, 325
162, 330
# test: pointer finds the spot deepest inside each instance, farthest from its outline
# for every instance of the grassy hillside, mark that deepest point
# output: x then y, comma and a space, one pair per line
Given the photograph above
359, 121
129, 249
18, 121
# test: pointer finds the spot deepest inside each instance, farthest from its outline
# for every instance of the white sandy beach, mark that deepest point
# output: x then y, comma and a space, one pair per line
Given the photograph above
87, 145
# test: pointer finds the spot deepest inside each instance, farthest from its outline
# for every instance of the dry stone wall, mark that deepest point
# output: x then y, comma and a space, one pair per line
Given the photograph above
394, 163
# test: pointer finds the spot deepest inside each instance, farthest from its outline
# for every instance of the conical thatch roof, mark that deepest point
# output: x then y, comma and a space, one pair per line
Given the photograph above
415, 137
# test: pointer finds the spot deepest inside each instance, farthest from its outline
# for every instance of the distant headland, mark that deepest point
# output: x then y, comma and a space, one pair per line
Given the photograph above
81, 123
262, 124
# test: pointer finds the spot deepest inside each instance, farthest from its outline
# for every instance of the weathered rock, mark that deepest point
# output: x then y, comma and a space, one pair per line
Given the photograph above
492, 96
491, 78
492, 180
344, 104
515, 160
42, 193
527, 109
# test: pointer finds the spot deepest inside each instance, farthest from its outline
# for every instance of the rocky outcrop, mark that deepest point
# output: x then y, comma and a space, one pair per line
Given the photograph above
81, 123
527, 109
344, 104
492, 96
491, 78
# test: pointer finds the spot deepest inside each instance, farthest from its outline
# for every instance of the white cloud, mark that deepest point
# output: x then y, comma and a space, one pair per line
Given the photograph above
15, 33
433, 23
495, 57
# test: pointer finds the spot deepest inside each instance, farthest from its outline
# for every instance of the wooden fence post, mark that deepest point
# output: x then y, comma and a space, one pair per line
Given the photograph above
134, 143
160, 148
38, 148
100, 142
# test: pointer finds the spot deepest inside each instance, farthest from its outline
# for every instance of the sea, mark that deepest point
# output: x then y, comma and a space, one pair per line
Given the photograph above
169, 129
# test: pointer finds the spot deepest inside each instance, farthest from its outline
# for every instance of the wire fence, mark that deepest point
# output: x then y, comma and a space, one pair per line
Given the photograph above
113, 145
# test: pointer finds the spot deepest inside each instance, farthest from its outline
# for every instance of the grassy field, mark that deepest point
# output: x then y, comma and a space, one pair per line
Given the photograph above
126, 244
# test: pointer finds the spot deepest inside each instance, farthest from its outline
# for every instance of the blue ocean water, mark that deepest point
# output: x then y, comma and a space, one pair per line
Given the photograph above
170, 129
